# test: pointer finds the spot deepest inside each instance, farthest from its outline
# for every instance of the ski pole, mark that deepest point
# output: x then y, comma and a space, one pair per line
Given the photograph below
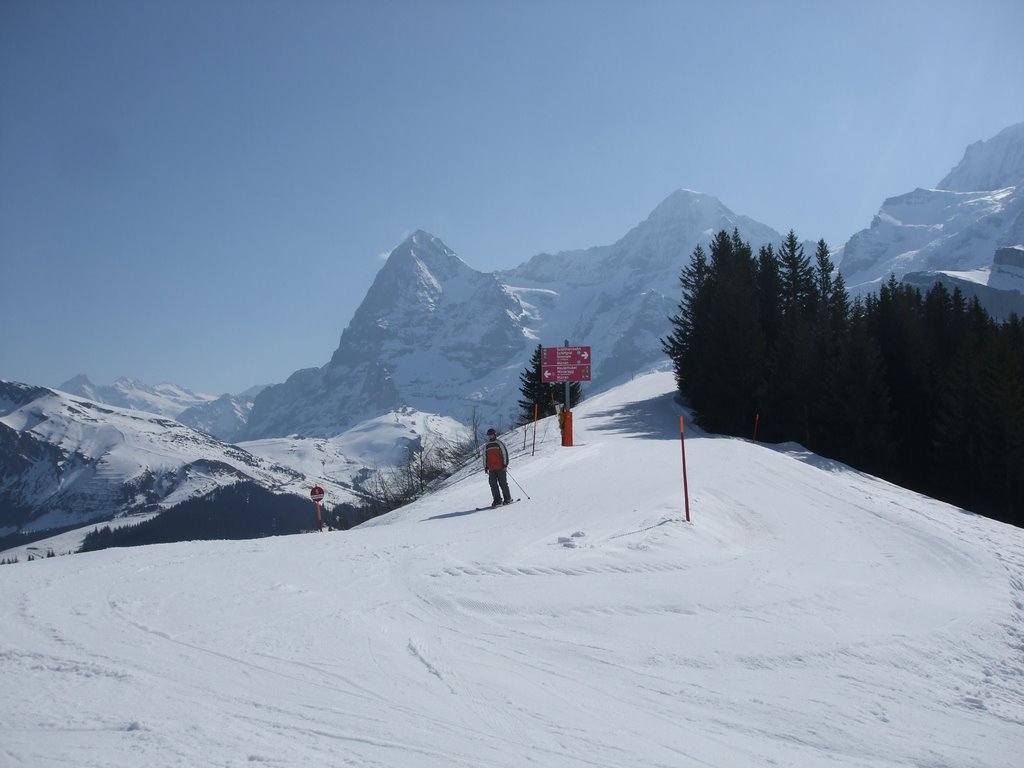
517, 483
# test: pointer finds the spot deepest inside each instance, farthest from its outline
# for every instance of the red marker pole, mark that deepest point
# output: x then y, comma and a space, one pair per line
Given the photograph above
682, 443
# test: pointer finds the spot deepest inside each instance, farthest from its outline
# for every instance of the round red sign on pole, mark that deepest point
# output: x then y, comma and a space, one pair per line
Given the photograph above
317, 494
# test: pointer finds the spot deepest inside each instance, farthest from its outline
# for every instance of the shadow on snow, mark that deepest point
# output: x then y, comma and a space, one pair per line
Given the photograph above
446, 515
653, 419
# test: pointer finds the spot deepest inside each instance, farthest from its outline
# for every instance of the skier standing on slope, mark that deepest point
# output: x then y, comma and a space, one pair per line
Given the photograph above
496, 466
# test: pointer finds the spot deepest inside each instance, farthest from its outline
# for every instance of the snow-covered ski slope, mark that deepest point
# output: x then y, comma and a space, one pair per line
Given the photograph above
808, 616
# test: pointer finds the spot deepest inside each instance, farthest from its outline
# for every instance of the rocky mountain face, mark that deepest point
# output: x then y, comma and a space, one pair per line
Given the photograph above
432, 333
952, 233
438, 336
994, 164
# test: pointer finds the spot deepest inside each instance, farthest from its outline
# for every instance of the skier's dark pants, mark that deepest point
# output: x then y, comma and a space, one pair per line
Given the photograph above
497, 478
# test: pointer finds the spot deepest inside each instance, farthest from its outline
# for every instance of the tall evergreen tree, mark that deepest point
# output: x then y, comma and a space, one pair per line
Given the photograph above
791, 390
898, 328
860, 417
833, 308
829, 332
729, 363
798, 287
769, 293
957, 468
953, 349
682, 345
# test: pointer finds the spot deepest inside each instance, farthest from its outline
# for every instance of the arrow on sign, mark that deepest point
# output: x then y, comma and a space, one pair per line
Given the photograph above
565, 364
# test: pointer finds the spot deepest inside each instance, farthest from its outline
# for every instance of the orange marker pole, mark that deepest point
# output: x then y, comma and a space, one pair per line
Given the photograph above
682, 443
536, 412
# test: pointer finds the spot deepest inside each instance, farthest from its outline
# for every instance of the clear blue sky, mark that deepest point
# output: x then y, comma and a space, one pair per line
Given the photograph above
200, 191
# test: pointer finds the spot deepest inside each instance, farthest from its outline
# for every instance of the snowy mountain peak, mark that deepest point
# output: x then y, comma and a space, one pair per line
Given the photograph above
78, 385
432, 333
653, 251
416, 272
987, 165
426, 251
692, 218
687, 204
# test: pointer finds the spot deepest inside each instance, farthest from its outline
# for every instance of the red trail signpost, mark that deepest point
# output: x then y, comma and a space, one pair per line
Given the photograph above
559, 364
565, 364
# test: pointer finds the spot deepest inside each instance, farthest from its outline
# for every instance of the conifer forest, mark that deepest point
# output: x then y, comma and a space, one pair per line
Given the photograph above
925, 390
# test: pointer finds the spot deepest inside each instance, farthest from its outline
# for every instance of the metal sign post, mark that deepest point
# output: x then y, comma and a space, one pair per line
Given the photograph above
565, 364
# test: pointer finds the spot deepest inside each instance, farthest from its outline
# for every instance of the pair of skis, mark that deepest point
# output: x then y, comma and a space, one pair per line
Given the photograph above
499, 506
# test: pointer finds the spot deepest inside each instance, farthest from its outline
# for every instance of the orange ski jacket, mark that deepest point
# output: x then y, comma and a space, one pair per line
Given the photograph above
495, 455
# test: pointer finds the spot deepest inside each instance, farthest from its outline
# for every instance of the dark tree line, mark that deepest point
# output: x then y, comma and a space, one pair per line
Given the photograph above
20, 538
925, 390
241, 511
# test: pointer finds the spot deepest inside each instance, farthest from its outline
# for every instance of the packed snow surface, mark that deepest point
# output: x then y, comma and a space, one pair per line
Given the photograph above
808, 615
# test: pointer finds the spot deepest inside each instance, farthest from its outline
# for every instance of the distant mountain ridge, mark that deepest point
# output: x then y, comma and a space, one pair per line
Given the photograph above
162, 399
224, 416
436, 335
66, 460
951, 233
